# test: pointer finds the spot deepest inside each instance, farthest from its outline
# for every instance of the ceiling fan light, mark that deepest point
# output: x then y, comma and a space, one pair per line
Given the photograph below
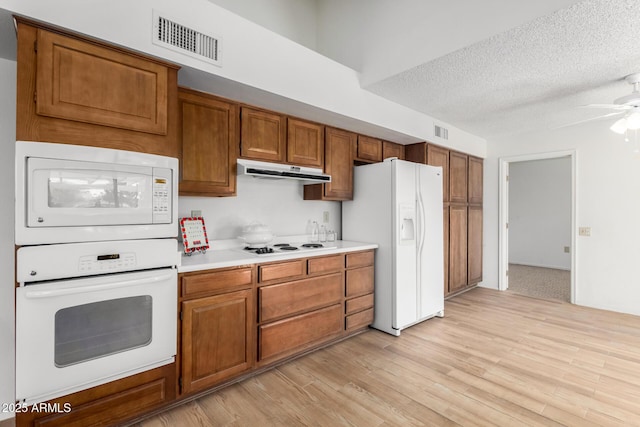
633, 121
619, 126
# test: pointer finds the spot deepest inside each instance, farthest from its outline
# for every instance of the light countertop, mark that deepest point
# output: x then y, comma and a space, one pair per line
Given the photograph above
226, 255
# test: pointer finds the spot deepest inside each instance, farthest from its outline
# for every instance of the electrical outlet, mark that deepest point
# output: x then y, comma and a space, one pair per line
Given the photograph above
584, 231
567, 249
196, 214
325, 217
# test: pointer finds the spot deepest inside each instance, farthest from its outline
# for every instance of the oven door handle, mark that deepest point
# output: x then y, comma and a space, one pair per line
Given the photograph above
93, 288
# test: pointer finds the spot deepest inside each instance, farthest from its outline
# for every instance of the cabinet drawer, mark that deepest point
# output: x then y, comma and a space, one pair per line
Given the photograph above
282, 270
359, 320
359, 281
199, 284
299, 296
369, 148
325, 264
281, 338
358, 304
360, 259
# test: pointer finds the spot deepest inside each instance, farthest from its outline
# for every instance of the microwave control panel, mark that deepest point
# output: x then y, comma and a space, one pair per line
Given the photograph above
161, 198
107, 263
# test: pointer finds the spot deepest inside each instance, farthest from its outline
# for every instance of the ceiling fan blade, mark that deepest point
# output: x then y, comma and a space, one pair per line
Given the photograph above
589, 120
609, 106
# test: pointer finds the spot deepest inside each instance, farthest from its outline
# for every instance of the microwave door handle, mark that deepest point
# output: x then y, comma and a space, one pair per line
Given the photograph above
84, 289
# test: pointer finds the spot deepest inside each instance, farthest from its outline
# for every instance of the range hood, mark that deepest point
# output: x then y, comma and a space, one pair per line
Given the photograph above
281, 171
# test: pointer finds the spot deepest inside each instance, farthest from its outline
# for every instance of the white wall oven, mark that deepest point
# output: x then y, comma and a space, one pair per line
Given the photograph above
90, 313
67, 193
97, 296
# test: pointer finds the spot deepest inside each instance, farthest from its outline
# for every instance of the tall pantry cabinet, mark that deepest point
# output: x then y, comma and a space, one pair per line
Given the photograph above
462, 212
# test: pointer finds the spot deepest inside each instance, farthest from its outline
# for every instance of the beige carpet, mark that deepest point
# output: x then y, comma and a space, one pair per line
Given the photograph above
537, 282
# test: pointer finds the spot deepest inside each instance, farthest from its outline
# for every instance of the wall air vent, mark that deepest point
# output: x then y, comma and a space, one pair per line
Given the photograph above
174, 36
441, 132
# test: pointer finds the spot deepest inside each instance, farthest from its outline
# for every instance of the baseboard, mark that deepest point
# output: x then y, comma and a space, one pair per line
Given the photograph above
10, 422
526, 264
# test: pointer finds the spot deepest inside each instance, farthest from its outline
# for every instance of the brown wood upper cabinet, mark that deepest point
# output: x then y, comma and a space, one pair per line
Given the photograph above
369, 149
209, 144
339, 150
263, 135
87, 92
391, 149
438, 156
475, 180
305, 143
458, 177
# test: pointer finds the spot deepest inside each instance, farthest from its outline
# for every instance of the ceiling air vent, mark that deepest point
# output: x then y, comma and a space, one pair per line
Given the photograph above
170, 34
441, 132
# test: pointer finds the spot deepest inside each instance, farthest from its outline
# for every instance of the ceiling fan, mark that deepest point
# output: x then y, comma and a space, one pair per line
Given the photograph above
629, 105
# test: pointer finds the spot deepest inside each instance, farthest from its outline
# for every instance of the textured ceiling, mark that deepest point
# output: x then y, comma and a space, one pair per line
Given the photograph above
532, 77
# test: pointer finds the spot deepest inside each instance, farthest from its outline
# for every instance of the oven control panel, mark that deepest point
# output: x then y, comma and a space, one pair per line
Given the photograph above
107, 263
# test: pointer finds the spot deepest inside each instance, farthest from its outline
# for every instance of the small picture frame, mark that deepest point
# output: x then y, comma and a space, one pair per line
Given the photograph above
194, 235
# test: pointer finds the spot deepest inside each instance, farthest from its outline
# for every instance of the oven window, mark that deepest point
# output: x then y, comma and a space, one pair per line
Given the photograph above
102, 328
89, 189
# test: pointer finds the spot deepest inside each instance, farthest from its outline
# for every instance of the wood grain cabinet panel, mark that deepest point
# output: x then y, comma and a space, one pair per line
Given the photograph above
216, 339
457, 177
474, 240
218, 281
360, 259
305, 143
209, 144
286, 299
416, 153
359, 320
369, 149
85, 82
263, 135
390, 149
438, 156
457, 248
445, 241
359, 281
326, 264
339, 150
475, 180
358, 304
296, 333
282, 270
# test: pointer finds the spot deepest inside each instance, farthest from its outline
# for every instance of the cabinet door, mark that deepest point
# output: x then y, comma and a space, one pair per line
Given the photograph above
445, 241
457, 177
263, 135
209, 141
339, 147
416, 153
475, 245
305, 143
369, 149
457, 248
85, 82
390, 149
216, 339
438, 156
475, 180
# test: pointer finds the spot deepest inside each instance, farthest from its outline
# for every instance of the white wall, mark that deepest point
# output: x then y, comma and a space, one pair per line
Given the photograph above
608, 201
276, 203
540, 213
293, 19
253, 57
7, 279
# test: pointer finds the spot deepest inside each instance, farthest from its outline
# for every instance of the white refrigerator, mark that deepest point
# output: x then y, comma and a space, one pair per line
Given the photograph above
398, 205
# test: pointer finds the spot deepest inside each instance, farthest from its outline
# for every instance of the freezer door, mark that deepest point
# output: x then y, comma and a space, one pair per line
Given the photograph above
405, 303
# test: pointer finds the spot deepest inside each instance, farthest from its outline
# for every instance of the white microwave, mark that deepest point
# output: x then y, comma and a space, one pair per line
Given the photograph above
69, 193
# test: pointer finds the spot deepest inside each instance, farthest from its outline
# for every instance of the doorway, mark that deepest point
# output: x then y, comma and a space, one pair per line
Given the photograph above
537, 225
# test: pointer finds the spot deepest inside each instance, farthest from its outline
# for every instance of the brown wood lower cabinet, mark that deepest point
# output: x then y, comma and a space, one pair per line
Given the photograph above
359, 285
108, 404
217, 336
457, 248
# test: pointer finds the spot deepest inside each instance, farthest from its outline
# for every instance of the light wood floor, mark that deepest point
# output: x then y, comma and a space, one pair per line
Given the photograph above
496, 359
